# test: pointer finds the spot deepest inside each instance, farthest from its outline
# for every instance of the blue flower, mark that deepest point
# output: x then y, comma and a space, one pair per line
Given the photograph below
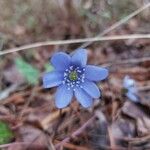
129, 85
74, 78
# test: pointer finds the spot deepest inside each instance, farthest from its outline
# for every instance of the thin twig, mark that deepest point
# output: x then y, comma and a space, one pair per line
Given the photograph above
74, 41
143, 88
15, 143
111, 138
127, 61
28, 102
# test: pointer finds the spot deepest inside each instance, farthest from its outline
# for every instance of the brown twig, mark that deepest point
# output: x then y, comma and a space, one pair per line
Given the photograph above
15, 143
28, 102
73, 147
112, 140
74, 41
127, 61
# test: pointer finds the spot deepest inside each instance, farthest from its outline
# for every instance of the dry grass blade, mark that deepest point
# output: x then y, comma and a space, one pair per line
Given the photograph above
127, 61
119, 23
15, 143
73, 41
73, 147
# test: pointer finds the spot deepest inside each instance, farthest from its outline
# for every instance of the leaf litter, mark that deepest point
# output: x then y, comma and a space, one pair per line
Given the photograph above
30, 112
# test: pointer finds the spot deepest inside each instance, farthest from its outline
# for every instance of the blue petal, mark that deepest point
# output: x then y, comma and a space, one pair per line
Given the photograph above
128, 82
84, 99
95, 73
80, 57
60, 61
52, 79
133, 89
63, 96
132, 97
91, 88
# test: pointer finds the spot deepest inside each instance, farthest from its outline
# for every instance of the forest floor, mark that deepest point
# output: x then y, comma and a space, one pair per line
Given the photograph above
114, 122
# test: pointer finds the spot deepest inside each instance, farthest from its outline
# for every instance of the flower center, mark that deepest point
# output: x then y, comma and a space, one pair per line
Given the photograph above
73, 75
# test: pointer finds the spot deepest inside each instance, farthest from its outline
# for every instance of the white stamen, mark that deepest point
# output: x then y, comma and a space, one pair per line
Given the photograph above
81, 86
68, 88
71, 67
79, 71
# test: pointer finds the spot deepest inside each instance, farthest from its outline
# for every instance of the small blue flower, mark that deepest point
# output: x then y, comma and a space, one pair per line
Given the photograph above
74, 78
129, 85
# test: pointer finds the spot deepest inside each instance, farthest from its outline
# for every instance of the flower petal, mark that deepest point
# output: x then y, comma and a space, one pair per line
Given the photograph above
63, 96
132, 97
60, 61
91, 88
80, 57
133, 89
52, 79
95, 73
128, 82
84, 99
